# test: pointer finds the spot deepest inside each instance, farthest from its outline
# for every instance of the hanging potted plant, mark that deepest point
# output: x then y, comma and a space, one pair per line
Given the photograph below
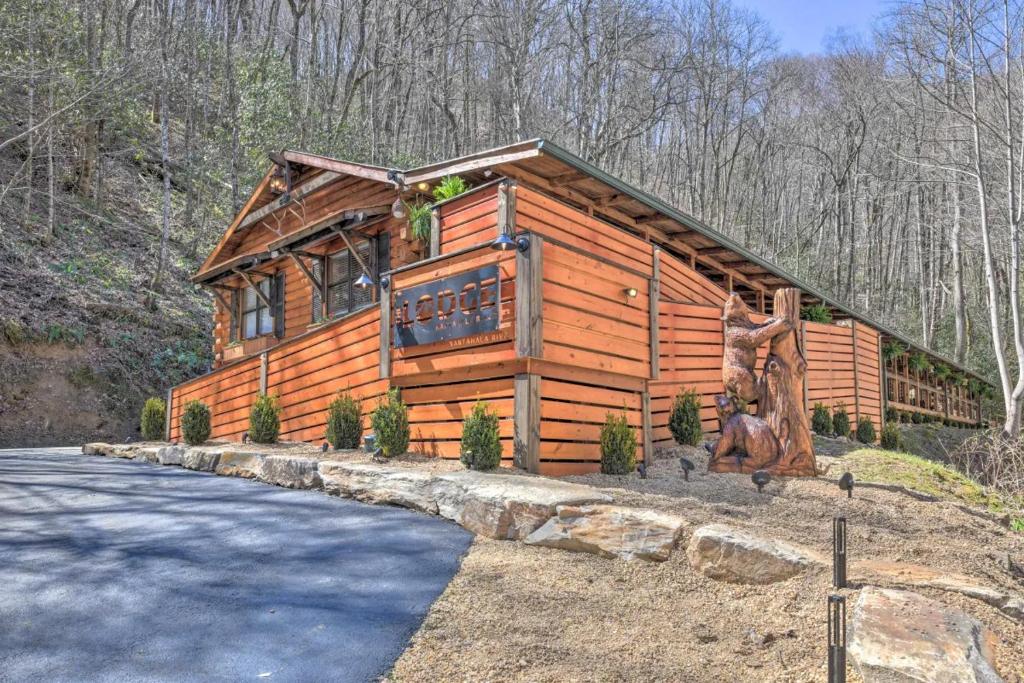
420, 212
919, 362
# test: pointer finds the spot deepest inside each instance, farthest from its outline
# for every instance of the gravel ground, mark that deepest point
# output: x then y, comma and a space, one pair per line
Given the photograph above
517, 613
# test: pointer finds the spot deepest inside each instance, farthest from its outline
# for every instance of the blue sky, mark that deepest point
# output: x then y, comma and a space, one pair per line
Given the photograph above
804, 25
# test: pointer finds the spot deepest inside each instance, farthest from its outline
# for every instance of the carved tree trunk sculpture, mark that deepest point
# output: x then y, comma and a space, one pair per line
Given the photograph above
781, 396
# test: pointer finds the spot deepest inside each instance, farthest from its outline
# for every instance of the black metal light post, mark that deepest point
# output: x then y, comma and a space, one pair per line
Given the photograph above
839, 552
836, 639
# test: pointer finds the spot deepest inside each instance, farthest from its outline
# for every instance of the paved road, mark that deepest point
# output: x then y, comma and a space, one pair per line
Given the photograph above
112, 570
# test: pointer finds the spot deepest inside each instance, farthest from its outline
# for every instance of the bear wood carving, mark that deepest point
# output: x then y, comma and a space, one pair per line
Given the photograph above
778, 439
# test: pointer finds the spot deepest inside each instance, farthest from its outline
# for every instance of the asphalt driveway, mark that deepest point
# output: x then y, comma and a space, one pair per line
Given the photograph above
114, 570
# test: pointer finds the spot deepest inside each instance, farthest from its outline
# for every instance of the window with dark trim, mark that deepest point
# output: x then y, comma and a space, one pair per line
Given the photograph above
255, 317
343, 269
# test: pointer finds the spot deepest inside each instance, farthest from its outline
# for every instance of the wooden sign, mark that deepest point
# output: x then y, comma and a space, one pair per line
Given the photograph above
450, 308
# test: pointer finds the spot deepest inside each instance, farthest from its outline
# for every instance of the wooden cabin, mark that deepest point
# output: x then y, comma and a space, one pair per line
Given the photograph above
551, 290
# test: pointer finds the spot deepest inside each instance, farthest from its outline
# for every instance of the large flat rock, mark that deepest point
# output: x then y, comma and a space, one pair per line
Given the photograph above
380, 484
611, 531
506, 506
291, 472
246, 464
903, 575
96, 448
724, 553
171, 455
201, 459
898, 636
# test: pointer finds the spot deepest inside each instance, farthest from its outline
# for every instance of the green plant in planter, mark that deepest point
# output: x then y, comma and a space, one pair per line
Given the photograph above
892, 439
919, 362
481, 441
195, 423
892, 349
345, 421
390, 423
821, 420
153, 420
450, 186
419, 220
840, 420
866, 430
684, 420
942, 371
816, 313
265, 419
618, 445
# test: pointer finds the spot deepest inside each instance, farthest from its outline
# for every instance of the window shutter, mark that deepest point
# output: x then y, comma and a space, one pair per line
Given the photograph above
318, 296
277, 298
360, 297
383, 253
233, 313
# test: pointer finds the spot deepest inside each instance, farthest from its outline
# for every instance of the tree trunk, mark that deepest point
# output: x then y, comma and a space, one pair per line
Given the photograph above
781, 403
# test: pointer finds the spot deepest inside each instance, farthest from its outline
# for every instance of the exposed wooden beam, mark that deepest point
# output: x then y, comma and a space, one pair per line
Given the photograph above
352, 248
339, 166
566, 178
317, 285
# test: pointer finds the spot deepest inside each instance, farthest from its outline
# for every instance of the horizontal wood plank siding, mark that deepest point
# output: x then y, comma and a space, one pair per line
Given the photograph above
469, 220
228, 392
436, 413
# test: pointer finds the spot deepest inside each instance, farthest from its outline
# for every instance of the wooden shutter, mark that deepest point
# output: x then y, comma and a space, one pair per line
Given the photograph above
277, 298
233, 313
383, 241
318, 296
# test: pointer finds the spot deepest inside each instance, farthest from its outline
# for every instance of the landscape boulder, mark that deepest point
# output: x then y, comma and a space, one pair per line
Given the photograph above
506, 506
379, 484
291, 472
95, 448
150, 454
727, 554
200, 459
247, 464
902, 575
121, 450
171, 455
899, 636
610, 531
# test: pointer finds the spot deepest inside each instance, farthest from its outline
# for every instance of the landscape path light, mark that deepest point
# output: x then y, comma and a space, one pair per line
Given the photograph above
846, 484
836, 639
760, 479
687, 466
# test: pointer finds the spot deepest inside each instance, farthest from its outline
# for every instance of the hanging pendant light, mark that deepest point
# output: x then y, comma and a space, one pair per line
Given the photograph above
363, 281
398, 208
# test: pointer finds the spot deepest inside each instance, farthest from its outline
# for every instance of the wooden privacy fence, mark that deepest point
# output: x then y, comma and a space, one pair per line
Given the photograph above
306, 373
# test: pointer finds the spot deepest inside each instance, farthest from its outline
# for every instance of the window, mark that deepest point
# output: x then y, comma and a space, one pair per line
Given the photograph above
342, 271
255, 317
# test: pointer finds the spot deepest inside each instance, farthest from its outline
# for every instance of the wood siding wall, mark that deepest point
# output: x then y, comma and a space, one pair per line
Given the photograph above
842, 372
306, 373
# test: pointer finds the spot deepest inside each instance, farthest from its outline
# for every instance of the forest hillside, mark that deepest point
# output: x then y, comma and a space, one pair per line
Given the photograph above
887, 171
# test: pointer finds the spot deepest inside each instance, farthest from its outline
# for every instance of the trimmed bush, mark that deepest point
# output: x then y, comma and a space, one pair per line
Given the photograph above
892, 439
840, 420
865, 430
684, 421
481, 443
344, 421
390, 422
153, 421
618, 445
916, 418
195, 423
821, 420
265, 420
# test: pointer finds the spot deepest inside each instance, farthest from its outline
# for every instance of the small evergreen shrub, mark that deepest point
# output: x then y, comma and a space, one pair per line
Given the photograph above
450, 186
344, 421
892, 440
821, 420
916, 418
684, 421
481, 443
865, 430
195, 423
618, 445
153, 420
265, 420
840, 420
390, 422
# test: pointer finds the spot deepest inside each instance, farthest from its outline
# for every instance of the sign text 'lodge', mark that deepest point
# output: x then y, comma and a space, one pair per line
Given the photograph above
450, 308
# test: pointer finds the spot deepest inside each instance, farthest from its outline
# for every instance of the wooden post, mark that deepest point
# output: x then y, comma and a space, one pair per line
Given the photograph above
507, 208
654, 292
435, 232
263, 373
526, 418
529, 298
645, 403
803, 350
384, 362
167, 416
856, 376
883, 375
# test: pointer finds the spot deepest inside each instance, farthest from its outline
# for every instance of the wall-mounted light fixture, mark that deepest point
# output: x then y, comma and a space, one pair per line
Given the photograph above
503, 243
363, 281
630, 292
423, 186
